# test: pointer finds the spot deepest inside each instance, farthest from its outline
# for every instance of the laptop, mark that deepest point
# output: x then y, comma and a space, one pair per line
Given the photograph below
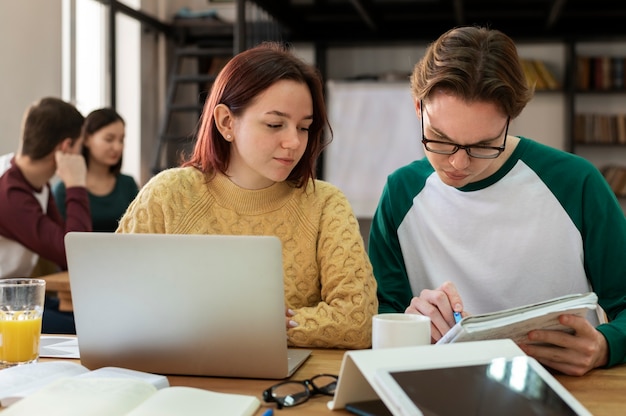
205, 305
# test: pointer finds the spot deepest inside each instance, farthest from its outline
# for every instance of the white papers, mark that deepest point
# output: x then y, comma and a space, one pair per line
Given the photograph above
55, 346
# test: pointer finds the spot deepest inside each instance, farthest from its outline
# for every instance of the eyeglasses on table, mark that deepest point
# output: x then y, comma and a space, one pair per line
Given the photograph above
294, 392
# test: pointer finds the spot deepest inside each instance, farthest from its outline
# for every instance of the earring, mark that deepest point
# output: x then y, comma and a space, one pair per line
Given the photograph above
228, 137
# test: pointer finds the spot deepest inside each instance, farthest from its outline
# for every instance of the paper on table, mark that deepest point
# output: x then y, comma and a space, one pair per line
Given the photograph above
55, 346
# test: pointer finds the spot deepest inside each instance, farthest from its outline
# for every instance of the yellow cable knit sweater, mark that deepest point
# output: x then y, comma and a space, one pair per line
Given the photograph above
328, 277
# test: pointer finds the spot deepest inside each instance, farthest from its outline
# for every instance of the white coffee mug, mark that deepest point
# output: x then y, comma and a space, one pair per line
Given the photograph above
391, 330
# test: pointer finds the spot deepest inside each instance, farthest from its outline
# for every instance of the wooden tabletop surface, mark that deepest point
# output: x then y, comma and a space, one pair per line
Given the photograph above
602, 391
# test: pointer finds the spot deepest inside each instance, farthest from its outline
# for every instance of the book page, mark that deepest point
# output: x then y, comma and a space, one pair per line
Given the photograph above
75, 396
515, 323
19, 381
518, 331
508, 316
191, 401
156, 380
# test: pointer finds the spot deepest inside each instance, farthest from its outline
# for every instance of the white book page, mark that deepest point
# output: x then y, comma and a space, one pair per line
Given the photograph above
76, 396
19, 381
517, 331
509, 316
156, 380
191, 401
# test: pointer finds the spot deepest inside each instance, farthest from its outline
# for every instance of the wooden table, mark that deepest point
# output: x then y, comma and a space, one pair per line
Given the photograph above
60, 283
602, 391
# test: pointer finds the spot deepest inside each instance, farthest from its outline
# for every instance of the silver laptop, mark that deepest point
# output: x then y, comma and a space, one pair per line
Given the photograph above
203, 305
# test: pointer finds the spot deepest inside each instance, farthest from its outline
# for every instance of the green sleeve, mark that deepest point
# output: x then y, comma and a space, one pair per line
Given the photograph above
594, 209
394, 291
604, 237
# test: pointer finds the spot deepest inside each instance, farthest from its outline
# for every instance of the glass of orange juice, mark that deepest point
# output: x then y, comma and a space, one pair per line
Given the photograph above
21, 310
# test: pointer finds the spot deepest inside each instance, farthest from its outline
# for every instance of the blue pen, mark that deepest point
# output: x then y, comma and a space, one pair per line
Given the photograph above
268, 412
457, 317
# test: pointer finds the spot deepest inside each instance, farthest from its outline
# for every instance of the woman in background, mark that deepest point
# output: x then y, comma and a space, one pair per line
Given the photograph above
252, 171
110, 191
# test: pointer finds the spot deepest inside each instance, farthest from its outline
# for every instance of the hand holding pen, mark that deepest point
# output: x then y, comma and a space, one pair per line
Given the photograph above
443, 306
457, 317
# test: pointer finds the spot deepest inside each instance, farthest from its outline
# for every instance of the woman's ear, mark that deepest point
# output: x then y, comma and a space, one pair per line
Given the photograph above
224, 121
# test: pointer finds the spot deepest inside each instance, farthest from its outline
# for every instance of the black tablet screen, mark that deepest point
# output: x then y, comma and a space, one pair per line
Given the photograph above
502, 387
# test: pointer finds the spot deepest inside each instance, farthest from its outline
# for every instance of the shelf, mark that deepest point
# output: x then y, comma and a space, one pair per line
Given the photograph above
597, 108
618, 145
600, 92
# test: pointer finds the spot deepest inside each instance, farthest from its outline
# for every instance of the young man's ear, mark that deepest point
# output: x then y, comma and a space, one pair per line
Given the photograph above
418, 108
65, 146
224, 121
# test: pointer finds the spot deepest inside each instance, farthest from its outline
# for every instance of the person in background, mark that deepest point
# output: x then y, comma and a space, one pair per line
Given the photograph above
31, 227
252, 171
110, 191
489, 221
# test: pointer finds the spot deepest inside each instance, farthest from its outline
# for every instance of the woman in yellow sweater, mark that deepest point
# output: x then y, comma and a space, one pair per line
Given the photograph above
252, 171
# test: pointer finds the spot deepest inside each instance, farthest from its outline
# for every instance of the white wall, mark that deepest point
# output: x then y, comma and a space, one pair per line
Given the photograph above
542, 120
30, 47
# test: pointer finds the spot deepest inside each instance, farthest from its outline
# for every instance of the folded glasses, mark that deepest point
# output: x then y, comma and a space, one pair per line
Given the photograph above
293, 393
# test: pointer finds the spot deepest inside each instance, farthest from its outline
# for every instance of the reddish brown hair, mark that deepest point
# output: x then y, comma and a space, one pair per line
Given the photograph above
244, 77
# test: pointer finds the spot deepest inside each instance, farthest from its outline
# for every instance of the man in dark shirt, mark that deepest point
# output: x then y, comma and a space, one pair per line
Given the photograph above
30, 224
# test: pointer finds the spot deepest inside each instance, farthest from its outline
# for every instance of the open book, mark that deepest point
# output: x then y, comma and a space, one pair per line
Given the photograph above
515, 323
68, 388
23, 380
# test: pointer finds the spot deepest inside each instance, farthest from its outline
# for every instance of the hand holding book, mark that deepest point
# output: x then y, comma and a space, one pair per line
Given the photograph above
515, 323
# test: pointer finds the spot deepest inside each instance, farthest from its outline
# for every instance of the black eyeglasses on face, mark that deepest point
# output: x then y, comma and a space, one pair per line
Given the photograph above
477, 151
293, 393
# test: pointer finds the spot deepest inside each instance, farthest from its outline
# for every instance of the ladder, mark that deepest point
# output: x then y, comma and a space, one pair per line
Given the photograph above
194, 68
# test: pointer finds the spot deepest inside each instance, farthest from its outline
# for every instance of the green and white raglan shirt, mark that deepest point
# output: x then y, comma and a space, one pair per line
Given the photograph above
545, 225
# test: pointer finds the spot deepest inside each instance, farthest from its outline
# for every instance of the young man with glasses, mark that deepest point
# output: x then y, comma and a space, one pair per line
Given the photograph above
488, 221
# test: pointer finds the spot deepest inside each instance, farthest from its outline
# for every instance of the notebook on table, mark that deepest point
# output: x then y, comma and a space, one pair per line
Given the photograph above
205, 305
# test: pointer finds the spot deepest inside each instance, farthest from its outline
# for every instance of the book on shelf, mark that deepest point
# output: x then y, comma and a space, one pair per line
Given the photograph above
616, 178
592, 128
620, 124
603, 74
600, 73
515, 323
583, 72
546, 75
538, 74
68, 388
533, 78
617, 65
